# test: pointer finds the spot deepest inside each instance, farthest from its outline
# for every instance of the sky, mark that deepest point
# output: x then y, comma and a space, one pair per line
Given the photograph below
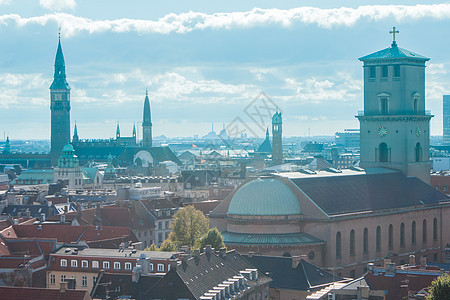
207, 62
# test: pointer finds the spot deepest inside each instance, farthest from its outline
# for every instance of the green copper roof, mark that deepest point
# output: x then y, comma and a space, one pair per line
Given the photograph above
232, 238
394, 52
264, 197
59, 77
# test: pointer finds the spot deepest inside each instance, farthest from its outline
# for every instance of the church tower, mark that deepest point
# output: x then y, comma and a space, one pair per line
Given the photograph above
277, 150
395, 128
147, 123
59, 107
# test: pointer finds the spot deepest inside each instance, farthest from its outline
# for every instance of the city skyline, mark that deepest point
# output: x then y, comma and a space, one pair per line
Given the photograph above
204, 65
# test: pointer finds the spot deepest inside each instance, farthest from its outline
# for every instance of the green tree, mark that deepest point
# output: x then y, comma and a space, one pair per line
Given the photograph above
152, 248
213, 238
189, 225
440, 288
168, 246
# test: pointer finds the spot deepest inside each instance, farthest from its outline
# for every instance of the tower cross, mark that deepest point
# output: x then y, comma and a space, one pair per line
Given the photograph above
393, 31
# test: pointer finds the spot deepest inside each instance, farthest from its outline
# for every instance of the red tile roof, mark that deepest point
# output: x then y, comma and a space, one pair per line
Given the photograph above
70, 234
24, 293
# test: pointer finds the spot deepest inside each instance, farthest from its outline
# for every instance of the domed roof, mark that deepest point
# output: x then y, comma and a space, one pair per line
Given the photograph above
68, 148
264, 197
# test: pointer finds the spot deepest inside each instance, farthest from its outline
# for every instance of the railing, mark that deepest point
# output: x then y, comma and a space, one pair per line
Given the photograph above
361, 113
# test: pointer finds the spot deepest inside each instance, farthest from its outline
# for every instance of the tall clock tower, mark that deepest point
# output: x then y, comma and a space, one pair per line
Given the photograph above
60, 108
147, 123
395, 128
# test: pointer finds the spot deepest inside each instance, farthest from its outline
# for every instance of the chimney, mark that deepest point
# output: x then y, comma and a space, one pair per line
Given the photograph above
197, 253
174, 263
412, 260
251, 254
42, 217
184, 258
370, 267
63, 219
50, 211
423, 262
386, 262
28, 214
223, 252
136, 273
295, 261
63, 287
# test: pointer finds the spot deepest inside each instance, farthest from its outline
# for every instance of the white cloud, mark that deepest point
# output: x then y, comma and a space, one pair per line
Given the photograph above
58, 5
190, 21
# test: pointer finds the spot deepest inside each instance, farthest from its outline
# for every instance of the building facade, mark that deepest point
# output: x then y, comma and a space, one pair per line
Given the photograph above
446, 118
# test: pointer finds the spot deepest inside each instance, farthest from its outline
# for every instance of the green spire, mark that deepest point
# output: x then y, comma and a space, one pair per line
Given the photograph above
75, 134
118, 131
59, 78
267, 133
7, 149
134, 130
147, 113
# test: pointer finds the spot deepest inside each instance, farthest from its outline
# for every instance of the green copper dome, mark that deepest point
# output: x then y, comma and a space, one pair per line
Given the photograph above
264, 197
68, 148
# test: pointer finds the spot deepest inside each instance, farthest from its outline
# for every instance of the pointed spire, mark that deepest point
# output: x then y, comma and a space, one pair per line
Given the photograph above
267, 133
134, 130
147, 113
59, 77
118, 130
212, 126
75, 133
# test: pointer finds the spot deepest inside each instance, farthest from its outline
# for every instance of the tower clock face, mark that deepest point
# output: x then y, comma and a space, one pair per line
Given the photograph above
418, 132
382, 131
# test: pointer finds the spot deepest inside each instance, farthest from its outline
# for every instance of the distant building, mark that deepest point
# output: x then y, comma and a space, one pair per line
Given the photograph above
84, 264
446, 119
349, 138
277, 138
440, 163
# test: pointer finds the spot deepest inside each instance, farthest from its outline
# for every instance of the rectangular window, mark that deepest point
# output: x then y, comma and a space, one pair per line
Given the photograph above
52, 279
396, 71
84, 280
167, 224
373, 72
127, 266
117, 265
63, 263
84, 264
95, 264
160, 237
94, 280
74, 263
160, 267
63, 278
106, 265
152, 268
384, 71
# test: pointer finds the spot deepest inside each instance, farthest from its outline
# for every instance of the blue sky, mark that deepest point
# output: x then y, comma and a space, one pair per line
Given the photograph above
205, 61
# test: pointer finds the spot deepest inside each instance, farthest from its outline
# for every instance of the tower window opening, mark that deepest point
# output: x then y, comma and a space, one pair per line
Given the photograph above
418, 152
383, 155
384, 71
384, 105
373, 72
396, 71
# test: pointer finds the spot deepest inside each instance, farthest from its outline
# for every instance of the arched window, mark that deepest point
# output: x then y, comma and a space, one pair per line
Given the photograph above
378, 239
383, 99
418, 152
366, 240
391, 237
435, 229
402, 235
352, 242
384, 152
424, 231
338, 245
413, 233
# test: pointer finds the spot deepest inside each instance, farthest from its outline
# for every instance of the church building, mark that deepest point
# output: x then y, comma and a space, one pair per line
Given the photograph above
344, 219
